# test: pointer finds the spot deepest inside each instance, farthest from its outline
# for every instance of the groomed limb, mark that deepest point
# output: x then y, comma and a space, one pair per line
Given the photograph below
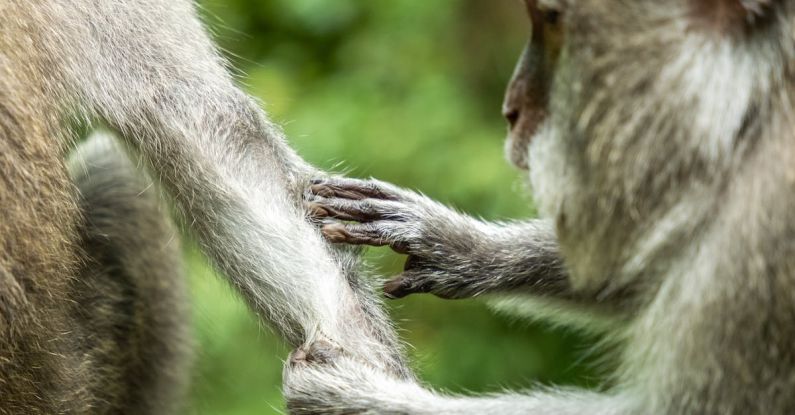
148, 69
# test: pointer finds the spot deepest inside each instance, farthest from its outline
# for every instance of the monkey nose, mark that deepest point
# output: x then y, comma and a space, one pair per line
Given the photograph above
511, 115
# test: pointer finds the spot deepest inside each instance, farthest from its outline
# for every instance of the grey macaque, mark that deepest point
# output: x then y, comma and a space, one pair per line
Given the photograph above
658, 138
660, 142
92, 314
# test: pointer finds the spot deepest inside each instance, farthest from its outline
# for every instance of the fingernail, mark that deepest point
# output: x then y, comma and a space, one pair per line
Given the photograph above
316, 210
335, 232
396, 288
321, 190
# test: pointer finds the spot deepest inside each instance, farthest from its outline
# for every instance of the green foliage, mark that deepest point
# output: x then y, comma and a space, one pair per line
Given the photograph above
407, 91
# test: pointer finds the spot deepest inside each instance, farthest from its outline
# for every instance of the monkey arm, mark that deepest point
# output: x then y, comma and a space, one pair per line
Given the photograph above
479, 258
148, 70
450, 254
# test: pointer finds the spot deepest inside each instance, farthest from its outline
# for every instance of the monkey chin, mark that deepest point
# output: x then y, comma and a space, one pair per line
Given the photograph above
515, 149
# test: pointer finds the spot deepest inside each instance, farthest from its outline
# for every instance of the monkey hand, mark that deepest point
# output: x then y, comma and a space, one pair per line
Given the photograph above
370, 212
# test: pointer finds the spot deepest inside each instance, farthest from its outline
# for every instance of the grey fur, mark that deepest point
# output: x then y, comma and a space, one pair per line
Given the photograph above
130, 297
148, 70
665, 165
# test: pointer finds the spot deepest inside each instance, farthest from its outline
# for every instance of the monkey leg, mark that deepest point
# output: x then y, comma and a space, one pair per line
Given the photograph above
130, 299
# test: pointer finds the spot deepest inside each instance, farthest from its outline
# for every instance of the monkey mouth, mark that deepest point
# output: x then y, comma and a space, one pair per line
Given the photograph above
520, 134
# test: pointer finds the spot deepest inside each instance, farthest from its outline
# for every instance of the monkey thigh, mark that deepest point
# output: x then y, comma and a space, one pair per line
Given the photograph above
131, 305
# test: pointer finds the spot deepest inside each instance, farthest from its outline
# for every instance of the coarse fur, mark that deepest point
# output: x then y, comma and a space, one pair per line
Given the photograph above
107, 332
129, 311
662, 164
90, 297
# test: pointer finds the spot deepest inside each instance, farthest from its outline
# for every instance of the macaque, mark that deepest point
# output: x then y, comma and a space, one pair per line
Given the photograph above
659, 141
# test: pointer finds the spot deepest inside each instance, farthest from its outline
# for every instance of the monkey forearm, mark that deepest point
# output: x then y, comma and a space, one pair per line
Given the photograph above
236, 199
511, 264
516, 266
468, 258
240, 197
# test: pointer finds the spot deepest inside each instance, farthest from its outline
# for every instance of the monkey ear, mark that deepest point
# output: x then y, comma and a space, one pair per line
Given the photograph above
732, 15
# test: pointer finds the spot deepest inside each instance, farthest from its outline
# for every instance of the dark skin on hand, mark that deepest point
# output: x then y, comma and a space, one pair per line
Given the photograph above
339, 233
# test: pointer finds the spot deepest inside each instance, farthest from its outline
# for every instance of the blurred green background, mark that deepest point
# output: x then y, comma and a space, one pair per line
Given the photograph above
408, 91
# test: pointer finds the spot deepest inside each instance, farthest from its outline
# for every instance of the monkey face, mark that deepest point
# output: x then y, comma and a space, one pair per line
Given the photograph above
527, 97
625, 111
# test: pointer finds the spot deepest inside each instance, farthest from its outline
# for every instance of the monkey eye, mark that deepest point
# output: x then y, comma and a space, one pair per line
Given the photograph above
544, 14
543, 11
551, 17
547, 19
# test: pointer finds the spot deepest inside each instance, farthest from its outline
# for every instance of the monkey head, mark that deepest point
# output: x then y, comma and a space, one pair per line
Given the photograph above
626, 112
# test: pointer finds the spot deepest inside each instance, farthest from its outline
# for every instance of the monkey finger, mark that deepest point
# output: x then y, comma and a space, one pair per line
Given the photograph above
354, 234
319, 211
403, 285
354, 189
315, 211
362, 210
372, 234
